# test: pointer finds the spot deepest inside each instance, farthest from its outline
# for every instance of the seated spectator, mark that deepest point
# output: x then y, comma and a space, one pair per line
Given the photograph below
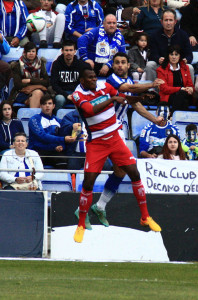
190, 143
82, 16
138, 56
30, 77
98, 46
178, 88
167, 36
148, 18
54, 28
13, 15
189, 22
153, 136
172, 149
44, 135
72, 125
21, 158
9, 126
65, 72
5, 70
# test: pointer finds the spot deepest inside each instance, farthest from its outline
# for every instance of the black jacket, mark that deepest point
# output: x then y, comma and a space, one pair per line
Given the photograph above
64, 78
189, 20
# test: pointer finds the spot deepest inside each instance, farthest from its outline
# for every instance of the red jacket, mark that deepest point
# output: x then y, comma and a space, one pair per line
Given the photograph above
166, 74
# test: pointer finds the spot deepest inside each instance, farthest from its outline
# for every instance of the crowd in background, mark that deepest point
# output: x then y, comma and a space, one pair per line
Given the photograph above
159, 38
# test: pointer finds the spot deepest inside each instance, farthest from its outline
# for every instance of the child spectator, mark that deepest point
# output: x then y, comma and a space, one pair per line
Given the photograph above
30, 77
138, 55
55, 25
172, 149
190, 143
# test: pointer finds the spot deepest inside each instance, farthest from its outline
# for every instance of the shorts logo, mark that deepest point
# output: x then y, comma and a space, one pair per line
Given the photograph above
87, 165
76, 96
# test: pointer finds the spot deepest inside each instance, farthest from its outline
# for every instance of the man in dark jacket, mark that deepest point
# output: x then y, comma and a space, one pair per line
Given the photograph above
65, 73
189, 22
162, 39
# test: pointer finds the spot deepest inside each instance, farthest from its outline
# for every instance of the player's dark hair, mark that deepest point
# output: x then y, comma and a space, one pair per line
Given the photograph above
82, 71
162, 103
122, 54
191, 127
45, 98
68, 43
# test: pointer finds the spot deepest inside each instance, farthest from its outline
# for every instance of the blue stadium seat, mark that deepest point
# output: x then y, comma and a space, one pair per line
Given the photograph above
57, 182
62, 112
132, 147
14, 54
24, 114
99, 184
138, 123
183, 118
50, 55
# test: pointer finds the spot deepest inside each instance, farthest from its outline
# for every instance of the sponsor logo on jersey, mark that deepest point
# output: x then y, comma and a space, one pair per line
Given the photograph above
99, 100
76, 96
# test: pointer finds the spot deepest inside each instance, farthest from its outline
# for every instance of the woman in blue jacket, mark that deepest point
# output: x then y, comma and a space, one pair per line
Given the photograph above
8, 126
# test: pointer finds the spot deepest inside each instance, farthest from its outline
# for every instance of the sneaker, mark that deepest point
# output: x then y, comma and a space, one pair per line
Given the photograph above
151, 223
101, 214
79, 234
43, 44
87, 222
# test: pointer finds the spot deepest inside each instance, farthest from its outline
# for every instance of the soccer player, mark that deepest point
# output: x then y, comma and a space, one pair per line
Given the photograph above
123, 83
95, 102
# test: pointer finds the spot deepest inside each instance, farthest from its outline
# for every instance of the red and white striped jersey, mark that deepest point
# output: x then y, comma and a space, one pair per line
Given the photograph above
103, 123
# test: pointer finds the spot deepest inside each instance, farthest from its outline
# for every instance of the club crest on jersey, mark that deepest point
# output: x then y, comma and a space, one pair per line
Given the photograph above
76, 96
99, 100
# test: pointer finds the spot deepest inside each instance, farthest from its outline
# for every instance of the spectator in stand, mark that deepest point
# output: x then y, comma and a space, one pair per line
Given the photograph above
13, 14
65, 72
153, 136
165, 37
54, 28
30, 77
148, 18
20, 158
9, 126
172, 149
5, 70
100, 44
138, 56
44, 135
177, 88
189, 22
82, 16
190, 143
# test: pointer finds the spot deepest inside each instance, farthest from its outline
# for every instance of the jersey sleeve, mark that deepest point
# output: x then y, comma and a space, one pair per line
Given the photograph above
111, 90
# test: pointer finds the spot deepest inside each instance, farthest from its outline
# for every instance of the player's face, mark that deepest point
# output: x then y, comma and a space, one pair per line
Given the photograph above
174, 58
7, 112
68, 53
48, 107
31, 54
89, 80
191, 135
172, 145
110, 24
121, 66
46, 4
168, 21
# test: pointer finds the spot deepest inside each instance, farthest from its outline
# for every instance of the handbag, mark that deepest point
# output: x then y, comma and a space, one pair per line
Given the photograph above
33, 185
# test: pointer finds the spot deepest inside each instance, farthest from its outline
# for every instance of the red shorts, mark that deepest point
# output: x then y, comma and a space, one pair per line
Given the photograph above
113, 147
